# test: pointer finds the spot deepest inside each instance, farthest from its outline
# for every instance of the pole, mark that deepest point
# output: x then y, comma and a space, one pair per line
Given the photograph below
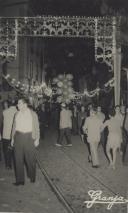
117, 64
127, 90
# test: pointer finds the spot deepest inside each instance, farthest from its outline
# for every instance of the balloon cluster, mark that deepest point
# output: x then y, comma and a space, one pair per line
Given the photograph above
64, 88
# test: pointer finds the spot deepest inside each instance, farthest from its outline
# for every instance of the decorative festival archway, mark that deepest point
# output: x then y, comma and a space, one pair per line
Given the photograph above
102, 29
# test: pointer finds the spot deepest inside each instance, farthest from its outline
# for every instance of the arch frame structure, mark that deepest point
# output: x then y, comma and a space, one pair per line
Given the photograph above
104, 30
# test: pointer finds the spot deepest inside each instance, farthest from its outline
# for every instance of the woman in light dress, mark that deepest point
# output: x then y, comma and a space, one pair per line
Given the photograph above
114, 139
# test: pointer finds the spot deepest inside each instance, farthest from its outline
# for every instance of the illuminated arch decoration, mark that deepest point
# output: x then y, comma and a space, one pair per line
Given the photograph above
8, 39
104, 41
104, 30
98, 28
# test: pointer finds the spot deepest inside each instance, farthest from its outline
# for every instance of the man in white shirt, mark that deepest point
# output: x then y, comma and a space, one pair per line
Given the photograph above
25, 137
8, 116
65, 125
92, 127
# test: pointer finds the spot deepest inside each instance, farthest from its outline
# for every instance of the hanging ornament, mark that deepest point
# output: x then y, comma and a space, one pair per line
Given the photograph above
7, 76
59, 91
71, 96
48, 92
65, 80
60, 77
59, 99
69, 76
55, 80
65, 92
65, 86
70, 90
67, 100
60, 84
43, 84
70, 83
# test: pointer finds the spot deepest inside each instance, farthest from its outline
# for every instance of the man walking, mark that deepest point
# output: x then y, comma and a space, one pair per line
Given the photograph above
8, 116
25, 137
92, 128
65, 125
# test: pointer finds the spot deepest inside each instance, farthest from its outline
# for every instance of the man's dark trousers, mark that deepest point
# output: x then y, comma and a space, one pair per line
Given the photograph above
0, 150
7, 151
24, 151
64, 132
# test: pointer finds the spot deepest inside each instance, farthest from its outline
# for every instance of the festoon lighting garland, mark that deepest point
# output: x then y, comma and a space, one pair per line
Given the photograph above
26, 89
65, 92
62, 88
108, 85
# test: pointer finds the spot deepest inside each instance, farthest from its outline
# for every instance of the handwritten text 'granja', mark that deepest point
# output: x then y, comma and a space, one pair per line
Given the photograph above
97, 197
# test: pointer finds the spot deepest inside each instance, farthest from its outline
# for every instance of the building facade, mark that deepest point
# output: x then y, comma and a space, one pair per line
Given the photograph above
27, 67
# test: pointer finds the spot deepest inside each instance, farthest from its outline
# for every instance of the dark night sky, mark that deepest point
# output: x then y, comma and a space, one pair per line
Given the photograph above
75, 7
63, 7
57, 51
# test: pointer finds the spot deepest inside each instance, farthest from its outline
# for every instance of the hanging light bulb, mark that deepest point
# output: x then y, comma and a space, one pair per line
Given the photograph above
7, 76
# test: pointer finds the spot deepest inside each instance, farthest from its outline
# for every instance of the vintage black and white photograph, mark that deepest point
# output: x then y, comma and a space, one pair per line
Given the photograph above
63, 106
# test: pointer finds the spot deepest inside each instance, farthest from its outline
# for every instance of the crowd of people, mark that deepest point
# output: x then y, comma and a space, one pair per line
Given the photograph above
95, 127
22, 126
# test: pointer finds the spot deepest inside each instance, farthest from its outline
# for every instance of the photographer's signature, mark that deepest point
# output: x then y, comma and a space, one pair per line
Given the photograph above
97, 197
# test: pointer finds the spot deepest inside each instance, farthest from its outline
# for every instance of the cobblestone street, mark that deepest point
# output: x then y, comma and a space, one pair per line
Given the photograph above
69, 170
68, 167
30, 198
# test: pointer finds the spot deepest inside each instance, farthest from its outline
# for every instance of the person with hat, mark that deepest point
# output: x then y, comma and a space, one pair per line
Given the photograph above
65, 125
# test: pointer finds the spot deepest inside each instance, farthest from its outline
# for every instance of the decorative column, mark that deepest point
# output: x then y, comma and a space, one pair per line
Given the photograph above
116, 63
126, 70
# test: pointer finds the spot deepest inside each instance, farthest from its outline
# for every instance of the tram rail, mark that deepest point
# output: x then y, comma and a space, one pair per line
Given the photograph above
59, 194
93, 176
55, 189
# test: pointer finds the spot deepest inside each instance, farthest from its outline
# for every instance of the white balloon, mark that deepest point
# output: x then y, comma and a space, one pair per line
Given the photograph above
60, 77
60, 84
69, 76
